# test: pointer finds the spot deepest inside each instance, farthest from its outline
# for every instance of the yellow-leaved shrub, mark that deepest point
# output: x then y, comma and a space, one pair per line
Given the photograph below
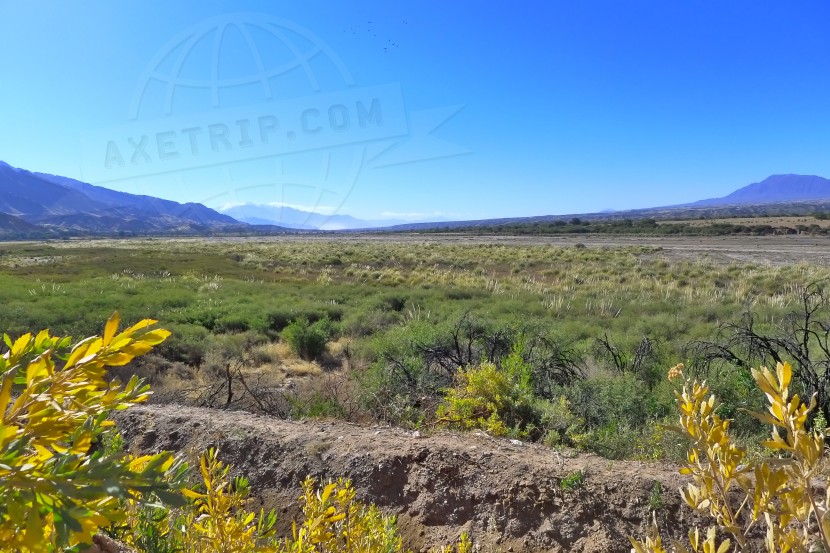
740, 493
216, 519
478, 399
56, 489
335, 521
497, 399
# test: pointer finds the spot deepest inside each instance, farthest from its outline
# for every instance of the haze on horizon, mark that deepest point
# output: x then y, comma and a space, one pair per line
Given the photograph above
414, 111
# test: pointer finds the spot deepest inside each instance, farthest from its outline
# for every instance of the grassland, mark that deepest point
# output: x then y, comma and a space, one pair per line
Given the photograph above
387, 305
235, 285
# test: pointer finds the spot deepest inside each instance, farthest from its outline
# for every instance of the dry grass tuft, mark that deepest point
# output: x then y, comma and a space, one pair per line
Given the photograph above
297, 367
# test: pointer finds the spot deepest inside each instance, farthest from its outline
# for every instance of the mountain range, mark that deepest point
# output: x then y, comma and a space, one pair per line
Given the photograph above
48, 205
38, 205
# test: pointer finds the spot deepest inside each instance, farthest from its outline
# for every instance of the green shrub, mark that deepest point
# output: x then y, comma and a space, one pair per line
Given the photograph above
620, 441
307, 340
360, 324
606, 399
187, 344
558, 420
231, 324
276, 321
617, 417
392, 302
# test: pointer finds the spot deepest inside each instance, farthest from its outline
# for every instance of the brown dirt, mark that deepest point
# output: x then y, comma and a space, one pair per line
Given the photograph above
508, 495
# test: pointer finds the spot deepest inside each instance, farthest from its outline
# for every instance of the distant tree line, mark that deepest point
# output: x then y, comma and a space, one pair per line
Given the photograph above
648, 226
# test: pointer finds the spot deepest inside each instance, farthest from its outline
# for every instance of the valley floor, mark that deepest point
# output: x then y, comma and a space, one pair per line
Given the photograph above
775, 250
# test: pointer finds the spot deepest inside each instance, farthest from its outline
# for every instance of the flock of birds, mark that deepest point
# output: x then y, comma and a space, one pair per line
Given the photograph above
389, 42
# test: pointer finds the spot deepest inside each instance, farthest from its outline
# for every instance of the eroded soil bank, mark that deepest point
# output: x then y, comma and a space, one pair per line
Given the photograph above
509, 496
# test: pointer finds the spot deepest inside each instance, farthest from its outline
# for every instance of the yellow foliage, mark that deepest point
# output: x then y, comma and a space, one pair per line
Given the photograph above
477, 399
54, 401
489, 397
336, 522
216, 521
777, 492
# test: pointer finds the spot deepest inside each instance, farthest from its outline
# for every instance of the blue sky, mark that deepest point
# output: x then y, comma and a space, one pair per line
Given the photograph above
554, 107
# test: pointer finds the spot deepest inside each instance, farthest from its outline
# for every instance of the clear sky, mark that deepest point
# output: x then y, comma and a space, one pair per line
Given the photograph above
564, 106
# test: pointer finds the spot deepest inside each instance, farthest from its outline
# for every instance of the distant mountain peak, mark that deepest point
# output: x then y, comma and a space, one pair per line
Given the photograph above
788, 187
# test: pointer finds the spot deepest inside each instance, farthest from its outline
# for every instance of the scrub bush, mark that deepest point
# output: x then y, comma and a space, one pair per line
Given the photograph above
307, 340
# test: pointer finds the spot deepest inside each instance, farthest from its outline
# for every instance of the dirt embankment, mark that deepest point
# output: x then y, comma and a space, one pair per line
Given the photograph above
509, 496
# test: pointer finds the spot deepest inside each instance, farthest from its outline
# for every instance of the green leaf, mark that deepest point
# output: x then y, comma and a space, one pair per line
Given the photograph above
171, 498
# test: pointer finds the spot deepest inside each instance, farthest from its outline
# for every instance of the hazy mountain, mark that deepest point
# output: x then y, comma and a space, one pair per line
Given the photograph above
141, 205
776, 188
259, 214
48, 205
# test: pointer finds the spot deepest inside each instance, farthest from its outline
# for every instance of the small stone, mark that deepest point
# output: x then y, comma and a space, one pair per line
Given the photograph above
416, 434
